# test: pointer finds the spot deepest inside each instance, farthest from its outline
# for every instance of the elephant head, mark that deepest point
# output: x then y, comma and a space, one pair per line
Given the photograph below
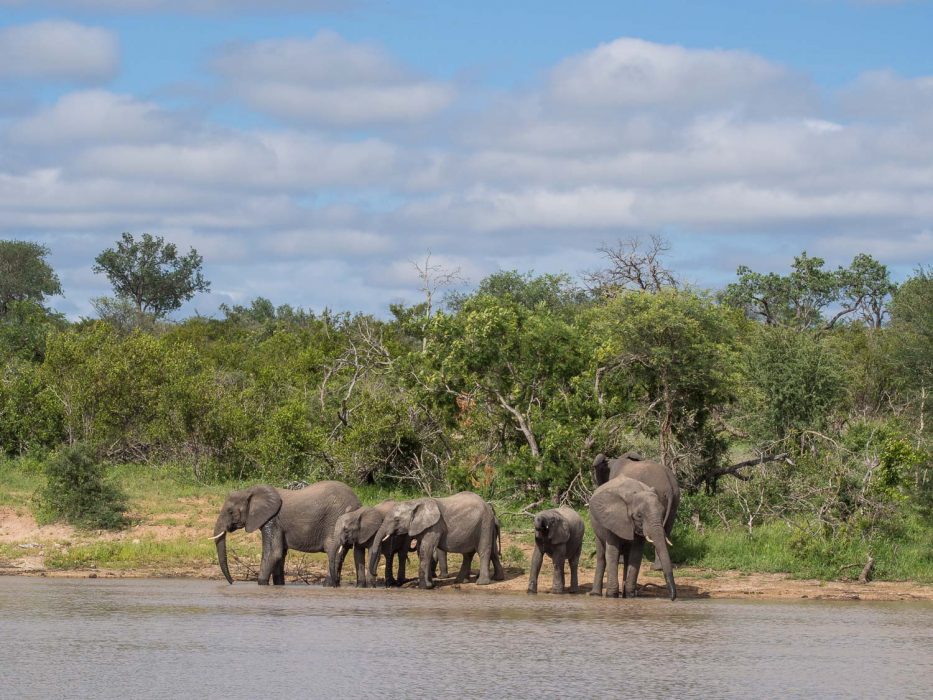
601, 467
551, 528
409, 518
250, 509
630, 509
355, 527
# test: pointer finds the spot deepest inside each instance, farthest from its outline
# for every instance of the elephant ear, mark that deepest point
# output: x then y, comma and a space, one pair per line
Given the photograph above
611, 511
426, 513
560, 531
264, 503
601, 469
370, 521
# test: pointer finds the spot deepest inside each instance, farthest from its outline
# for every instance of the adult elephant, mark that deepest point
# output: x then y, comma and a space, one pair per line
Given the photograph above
463, 523
624, 513
302, 520
647, 471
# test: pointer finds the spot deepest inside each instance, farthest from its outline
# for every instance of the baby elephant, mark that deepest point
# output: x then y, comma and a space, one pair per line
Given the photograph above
558, 533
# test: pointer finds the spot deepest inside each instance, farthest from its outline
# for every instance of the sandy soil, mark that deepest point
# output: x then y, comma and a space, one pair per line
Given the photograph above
25, 544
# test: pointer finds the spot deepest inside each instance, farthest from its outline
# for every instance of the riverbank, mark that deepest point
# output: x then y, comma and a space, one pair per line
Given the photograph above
176, 545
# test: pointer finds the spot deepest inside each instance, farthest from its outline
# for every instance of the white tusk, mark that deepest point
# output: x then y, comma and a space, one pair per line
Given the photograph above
339, 550
668, 540
386, 537
649, 539
217, 537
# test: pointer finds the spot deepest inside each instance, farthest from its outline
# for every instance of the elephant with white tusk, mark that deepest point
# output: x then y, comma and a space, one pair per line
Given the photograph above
302, 520
649, 472
624, 513
559, 534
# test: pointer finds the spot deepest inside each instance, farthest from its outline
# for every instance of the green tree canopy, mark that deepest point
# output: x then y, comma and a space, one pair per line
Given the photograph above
24, 274
812, 297
151, 274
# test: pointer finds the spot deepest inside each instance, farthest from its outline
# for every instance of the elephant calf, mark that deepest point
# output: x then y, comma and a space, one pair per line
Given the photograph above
559, 534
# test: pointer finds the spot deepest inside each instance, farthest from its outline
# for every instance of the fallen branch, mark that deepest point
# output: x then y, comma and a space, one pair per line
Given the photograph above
524, 511
734, 469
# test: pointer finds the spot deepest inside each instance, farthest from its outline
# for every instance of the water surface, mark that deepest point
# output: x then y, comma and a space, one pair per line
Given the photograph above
66, 638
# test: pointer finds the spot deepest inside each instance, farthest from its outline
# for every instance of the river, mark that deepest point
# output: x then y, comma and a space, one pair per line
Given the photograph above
97, 638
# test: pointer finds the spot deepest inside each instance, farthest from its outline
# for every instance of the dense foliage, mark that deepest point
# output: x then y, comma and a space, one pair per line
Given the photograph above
801, 399
77, 491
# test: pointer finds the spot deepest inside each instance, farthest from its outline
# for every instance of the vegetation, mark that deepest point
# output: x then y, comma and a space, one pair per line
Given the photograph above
77, 492
794, 409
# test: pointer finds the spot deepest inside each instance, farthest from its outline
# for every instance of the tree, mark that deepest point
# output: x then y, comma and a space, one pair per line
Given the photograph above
674, 352
24, 274
812, 297
150, 273
633, 264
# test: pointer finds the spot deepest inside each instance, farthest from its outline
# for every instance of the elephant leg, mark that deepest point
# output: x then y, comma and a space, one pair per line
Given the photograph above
402, 556
600, 568
536, 558
273, 552
557, 581
278, 574
574, 564
359, 560
632, 567
484, 558
498, 573
426, 551
331, 547
441, 556
464, 573
625, 548
612, 569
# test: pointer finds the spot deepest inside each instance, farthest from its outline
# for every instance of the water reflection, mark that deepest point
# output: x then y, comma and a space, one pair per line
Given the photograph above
171, 639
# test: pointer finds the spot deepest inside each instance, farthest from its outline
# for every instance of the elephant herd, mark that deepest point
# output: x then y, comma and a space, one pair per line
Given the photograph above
636, 501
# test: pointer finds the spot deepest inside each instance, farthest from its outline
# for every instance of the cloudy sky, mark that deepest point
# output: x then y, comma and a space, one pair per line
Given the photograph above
311, 149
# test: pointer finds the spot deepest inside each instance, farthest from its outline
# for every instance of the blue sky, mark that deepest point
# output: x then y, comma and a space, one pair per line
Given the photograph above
312, 150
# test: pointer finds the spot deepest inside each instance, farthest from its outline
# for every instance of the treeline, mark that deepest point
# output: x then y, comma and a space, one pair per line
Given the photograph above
801, 397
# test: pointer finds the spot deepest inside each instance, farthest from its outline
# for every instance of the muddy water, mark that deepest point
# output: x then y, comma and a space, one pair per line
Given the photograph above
180, 639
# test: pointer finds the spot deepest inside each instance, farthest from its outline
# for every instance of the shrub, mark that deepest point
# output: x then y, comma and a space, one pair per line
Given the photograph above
78, 493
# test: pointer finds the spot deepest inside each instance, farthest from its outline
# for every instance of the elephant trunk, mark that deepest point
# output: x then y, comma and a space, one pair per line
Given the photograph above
376, 550
657, 534
220, 535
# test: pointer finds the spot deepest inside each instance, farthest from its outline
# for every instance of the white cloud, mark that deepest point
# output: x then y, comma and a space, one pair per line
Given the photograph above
58, 50
95, 116
631, 72
329, 80
728, 151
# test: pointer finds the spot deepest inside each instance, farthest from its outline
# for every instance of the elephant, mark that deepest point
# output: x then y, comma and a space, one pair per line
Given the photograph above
302, 520
463, 523
647, 471
356, 530
559, 534
624, 513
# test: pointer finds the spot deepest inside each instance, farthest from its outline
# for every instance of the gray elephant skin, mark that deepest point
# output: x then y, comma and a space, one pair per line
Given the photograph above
647, 471
463, 523
624, 513
559, 534
302, 520
356, 530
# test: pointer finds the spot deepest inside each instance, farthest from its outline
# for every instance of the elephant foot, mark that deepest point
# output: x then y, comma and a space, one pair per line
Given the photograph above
330, 583
557, 591
428, 585
598, 594
532, 591
630, 594
574, 590
483, 581
612, 594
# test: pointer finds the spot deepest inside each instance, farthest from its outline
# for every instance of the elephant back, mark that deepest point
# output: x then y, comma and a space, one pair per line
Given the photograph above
308, 516
655, 475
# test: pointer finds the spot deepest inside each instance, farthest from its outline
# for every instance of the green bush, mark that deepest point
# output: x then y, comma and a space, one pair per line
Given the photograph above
78, 493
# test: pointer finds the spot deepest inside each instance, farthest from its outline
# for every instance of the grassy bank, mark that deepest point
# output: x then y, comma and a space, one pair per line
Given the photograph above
171, 515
